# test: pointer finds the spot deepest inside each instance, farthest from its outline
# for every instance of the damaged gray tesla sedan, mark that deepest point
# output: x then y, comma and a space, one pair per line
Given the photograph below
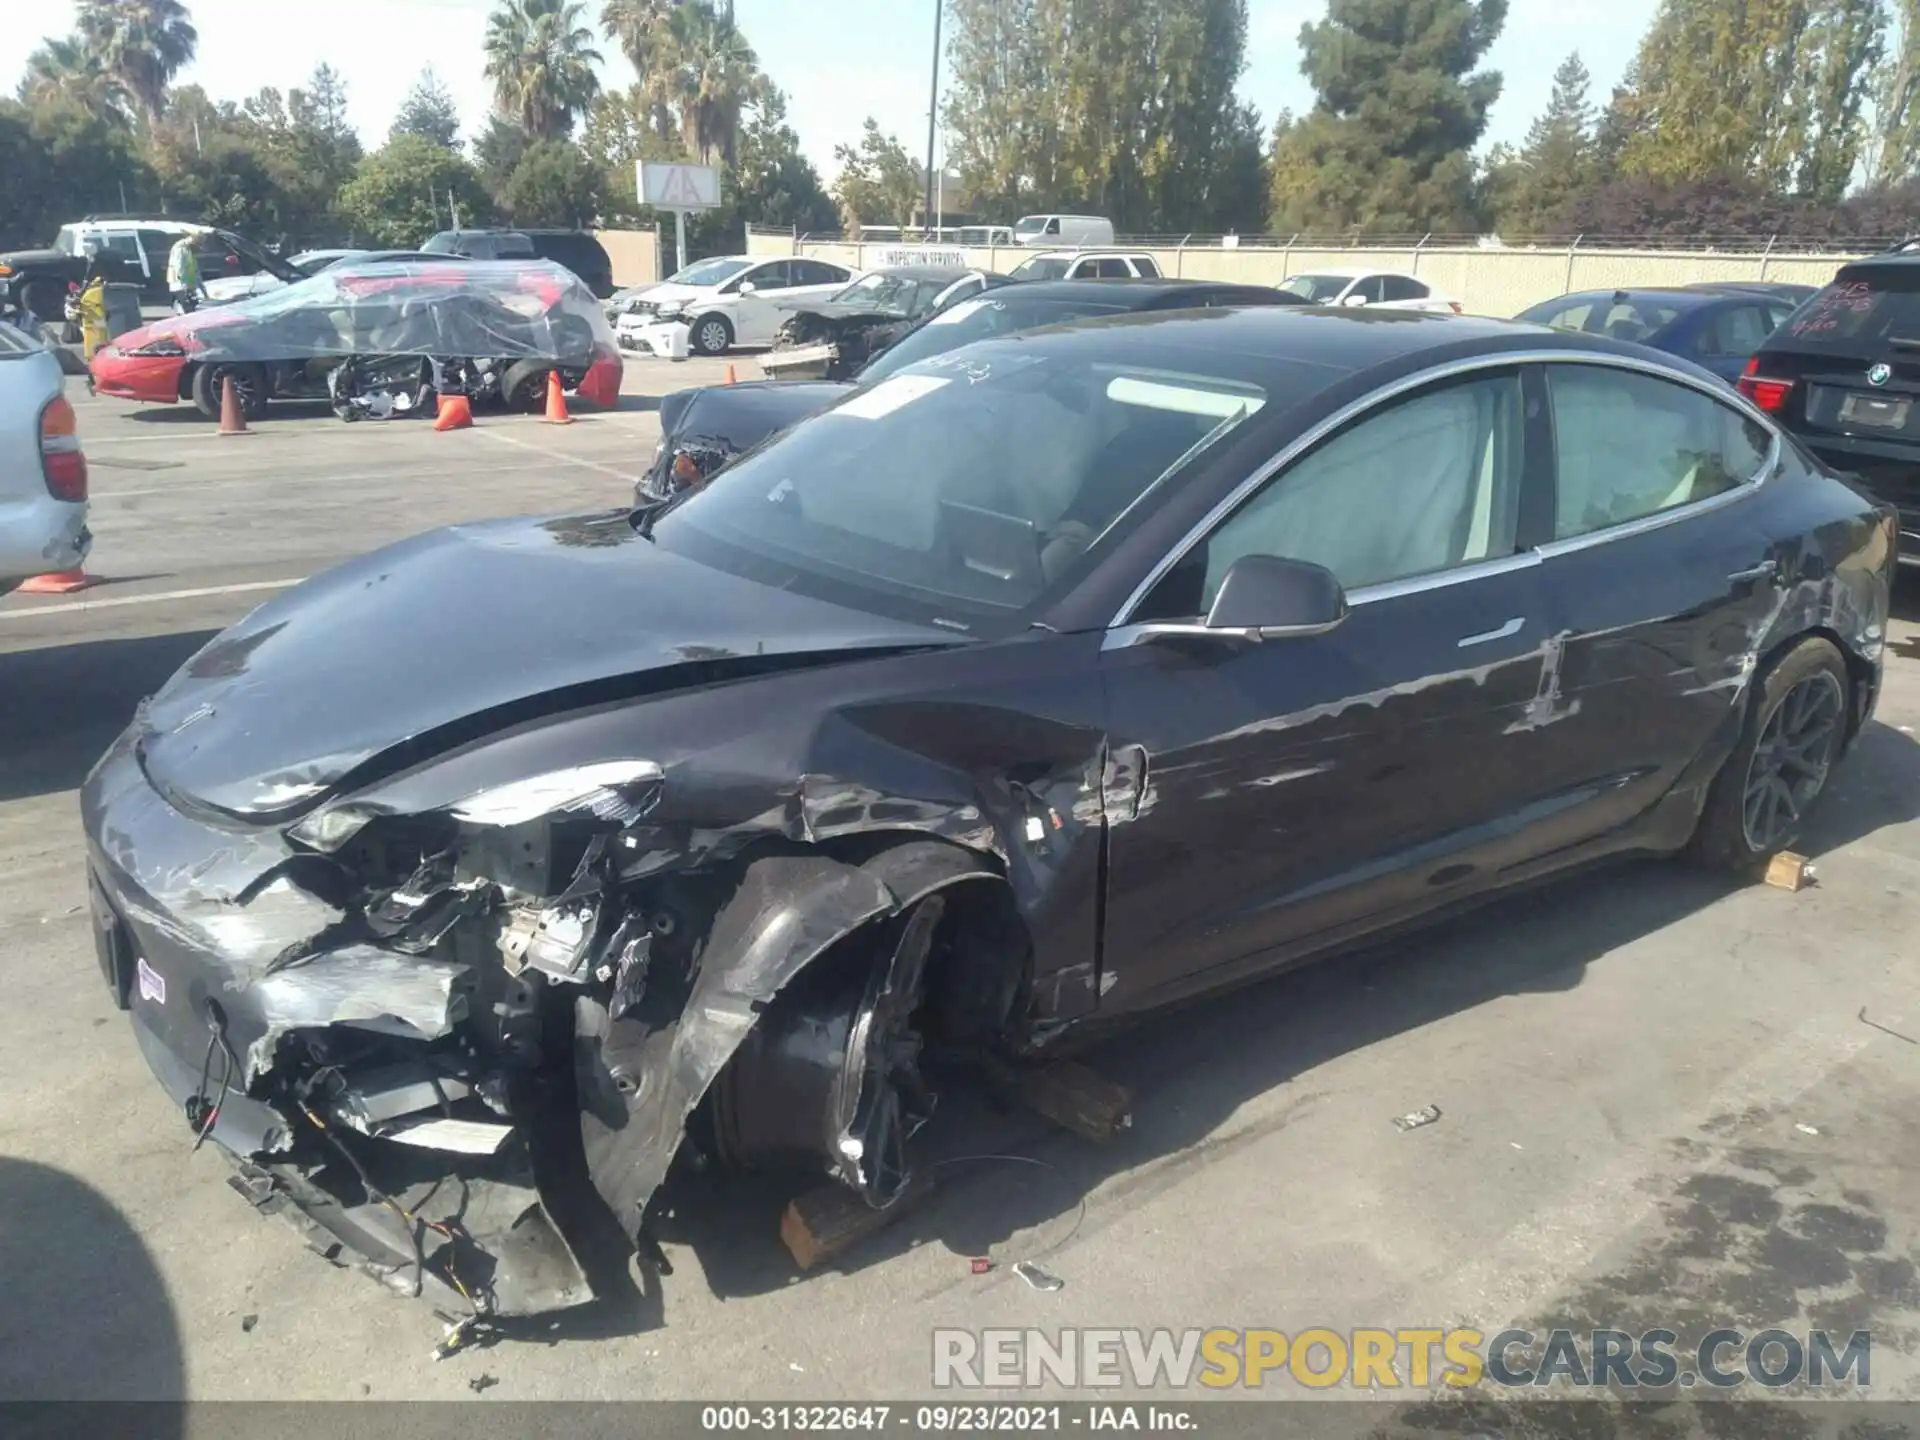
1033, 687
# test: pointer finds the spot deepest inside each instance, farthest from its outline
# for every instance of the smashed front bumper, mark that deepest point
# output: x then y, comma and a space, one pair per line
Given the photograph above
800, 362
390, 1139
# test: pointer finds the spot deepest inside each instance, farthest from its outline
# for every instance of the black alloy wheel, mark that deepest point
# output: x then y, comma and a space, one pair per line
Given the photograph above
1790, 764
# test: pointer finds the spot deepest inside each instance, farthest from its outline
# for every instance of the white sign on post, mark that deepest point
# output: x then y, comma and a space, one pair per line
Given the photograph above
678, 188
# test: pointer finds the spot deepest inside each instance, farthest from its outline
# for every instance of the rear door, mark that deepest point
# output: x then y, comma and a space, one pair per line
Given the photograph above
1658, 581
1403, 292
123, 262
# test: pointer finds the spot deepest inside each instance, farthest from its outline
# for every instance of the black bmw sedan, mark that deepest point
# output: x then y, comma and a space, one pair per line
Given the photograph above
1030, 688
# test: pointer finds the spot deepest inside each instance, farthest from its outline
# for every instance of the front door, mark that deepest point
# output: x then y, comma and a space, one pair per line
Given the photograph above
758, 315
1273, 799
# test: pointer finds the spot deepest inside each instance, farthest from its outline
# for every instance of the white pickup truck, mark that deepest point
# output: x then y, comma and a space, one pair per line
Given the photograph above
43, 474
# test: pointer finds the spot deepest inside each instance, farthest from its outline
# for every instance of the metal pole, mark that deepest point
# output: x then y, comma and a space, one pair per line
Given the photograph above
680, 240
933, 111
1767, 258
1567, 289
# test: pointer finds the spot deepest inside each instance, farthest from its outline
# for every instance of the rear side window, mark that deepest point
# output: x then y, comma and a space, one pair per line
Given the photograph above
514, 246
1144, 267
441, 244
1403, 287
1864, 309
1114, 269
1628, 446
1735, 333
581, 254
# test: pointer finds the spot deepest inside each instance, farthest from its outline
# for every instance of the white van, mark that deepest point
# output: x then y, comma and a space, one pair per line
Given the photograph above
1059, 230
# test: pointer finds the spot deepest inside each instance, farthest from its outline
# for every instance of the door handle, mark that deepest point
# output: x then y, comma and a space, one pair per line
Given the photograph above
1512, 627
1765, 570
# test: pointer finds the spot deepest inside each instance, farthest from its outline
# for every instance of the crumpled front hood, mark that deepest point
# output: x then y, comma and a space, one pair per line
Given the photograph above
479, 624
743, 415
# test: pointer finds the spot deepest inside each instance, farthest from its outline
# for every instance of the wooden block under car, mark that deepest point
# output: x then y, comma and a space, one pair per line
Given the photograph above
1788, 871
1067, 1093
820, 1224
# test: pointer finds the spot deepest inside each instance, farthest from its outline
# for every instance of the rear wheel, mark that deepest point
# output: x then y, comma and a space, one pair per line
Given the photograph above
249, 384
1795, 728
524, 386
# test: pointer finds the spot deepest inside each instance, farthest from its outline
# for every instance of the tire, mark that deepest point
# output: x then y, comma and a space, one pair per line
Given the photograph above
1795, 728
46, 300
524, 386
712, 335
249, 380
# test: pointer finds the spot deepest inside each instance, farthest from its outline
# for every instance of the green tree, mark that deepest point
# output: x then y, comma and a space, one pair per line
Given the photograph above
1388, 145
143, 44
774, 183
620, 131
879, 183
498, 149
429, 112
1237, 195
1527, 187
705, 75
1893, 147
540, 59
1771, 89
553, 185
1846, 39
60, 159
64, 68
641, 29
399, 194
1124, 106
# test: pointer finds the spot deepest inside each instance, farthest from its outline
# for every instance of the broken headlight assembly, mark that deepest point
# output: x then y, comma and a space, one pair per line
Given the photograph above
619, 791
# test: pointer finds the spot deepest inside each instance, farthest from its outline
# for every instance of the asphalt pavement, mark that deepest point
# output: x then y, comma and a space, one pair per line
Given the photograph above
1665, 1099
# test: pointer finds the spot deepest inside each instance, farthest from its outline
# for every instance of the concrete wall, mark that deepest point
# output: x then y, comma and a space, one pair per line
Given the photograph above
635, 255
1485, 282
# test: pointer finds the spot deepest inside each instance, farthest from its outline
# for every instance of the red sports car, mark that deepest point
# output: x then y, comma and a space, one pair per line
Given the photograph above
378, 339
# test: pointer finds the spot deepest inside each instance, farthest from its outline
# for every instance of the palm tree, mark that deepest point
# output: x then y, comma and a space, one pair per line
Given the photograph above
142, 44
641, 29
63, 69
540, 59
707, 75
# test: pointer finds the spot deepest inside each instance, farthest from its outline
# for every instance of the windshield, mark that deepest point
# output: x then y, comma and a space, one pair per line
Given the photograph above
1861, 311
1043, 267
970, 483
708, 272
1317, 288
978, 319
902, 293
1031, 225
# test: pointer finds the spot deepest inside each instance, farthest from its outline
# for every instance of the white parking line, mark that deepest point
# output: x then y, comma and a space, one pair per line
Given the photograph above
68, 607
558, 455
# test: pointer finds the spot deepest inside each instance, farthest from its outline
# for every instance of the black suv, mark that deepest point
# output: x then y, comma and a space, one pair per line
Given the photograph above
1842, 374
577, 250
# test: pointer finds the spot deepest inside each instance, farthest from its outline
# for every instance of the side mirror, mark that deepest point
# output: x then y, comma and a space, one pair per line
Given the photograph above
1263, 597
1270, 598
747, 287
1353, 301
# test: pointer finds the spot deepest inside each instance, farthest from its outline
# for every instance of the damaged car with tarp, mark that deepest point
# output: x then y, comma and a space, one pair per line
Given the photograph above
1040, 685
832, 339
378, 340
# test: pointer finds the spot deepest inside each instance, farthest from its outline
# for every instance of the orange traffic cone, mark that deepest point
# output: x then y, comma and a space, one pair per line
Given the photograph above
61, 582
456, 413
732, 379
556, 401
233, 420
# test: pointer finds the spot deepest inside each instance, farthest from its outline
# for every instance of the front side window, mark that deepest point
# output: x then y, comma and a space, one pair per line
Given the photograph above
1043, 267
765, 277
1425, 485
1115, 269
974, 481
1629, 445
1031, 225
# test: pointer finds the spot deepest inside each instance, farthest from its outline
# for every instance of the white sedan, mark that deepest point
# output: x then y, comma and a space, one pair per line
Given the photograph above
727, 301
43, 474
1378, 289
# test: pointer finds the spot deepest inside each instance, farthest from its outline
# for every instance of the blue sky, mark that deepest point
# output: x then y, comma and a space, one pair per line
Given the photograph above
838, 60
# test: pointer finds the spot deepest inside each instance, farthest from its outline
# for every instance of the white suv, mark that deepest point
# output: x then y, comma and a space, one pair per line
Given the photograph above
727, 301
43, 474
1086, 265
